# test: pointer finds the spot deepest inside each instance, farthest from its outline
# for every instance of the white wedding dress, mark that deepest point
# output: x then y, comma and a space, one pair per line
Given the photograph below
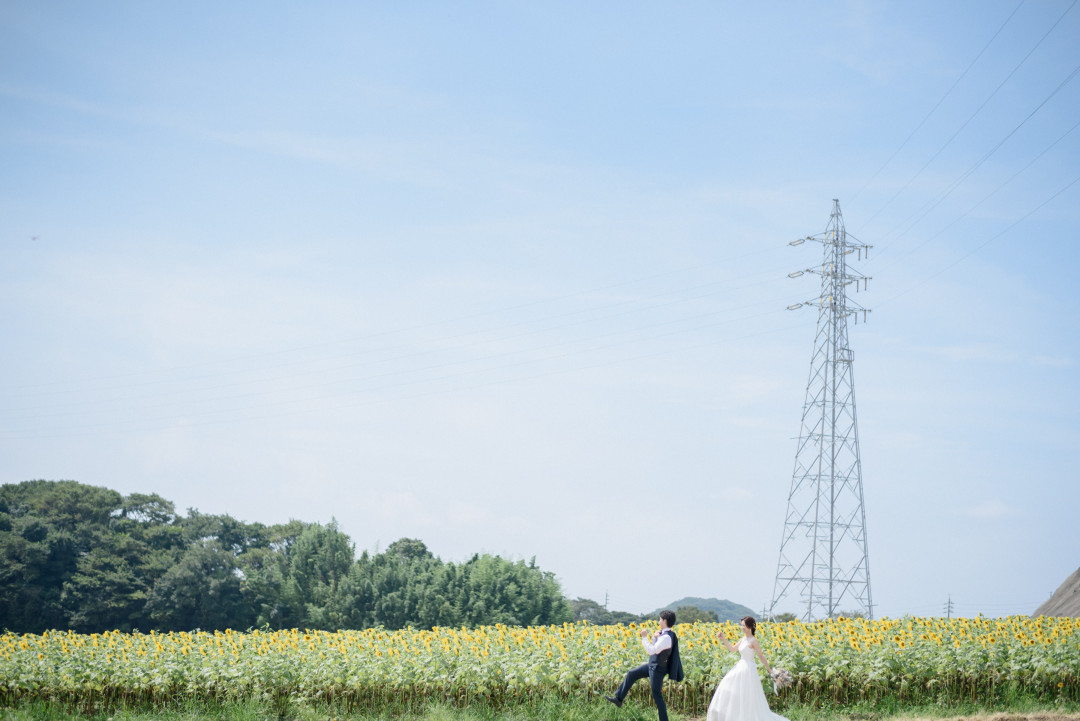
739, 697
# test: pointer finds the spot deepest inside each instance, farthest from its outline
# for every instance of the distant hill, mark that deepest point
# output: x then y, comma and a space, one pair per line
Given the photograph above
1065, 601
726, 610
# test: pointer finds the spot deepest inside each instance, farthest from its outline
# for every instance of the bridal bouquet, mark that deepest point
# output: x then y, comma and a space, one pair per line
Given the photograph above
781, 679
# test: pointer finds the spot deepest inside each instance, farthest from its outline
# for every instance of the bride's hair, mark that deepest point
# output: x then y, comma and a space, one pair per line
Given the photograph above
750, 624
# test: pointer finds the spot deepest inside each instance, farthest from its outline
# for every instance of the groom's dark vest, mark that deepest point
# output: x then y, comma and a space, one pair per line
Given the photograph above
668, 661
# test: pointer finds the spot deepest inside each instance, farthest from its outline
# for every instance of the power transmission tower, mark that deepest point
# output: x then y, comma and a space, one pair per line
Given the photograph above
949, 607
824, 567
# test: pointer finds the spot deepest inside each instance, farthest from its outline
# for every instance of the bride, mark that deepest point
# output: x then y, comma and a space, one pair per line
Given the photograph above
739, 697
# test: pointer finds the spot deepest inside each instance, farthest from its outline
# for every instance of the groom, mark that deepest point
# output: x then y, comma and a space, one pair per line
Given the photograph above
663, 650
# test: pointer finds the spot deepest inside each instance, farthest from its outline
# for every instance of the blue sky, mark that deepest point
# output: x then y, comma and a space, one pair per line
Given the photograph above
512, 277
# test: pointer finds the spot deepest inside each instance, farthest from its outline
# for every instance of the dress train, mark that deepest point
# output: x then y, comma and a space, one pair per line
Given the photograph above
739, 697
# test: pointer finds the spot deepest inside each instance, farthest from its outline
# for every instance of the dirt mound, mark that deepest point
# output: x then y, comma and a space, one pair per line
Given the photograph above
1065, 601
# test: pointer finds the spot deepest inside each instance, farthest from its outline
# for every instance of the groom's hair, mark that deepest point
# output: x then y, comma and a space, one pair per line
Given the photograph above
668, 616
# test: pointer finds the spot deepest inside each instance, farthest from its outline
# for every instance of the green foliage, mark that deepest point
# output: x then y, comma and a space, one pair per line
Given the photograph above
202, 591
725, 610
407, 586
585, 609
46, 529
692, 614
89, 559
547, 709
850, 614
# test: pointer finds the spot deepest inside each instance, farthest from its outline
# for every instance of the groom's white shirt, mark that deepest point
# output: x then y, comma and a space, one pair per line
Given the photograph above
663, 643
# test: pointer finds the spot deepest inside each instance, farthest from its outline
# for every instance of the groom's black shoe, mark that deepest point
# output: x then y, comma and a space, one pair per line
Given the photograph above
614, 700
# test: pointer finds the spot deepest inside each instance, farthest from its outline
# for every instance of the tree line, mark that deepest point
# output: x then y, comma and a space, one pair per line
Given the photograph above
80, 557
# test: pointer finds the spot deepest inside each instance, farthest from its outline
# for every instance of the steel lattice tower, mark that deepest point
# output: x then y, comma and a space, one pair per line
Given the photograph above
824, 568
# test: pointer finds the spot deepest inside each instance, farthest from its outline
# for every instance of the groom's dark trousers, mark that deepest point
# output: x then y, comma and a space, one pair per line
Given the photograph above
655, 672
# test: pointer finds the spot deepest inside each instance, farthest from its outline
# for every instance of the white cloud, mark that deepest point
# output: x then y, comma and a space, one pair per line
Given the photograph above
1053, 361
991, 509
402, 505
994, 353
460, 298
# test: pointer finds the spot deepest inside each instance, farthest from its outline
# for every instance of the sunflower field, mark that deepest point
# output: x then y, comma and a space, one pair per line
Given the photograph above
837, 662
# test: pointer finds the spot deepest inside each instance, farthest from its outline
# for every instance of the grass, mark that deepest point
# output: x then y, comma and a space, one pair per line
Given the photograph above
1020, 710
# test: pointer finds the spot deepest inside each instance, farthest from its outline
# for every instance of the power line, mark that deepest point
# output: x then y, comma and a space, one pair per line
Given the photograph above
986, 242
956, 183
448, 364
666, 302
144, 423
985, 198
421, 326
940, 101
973, 115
